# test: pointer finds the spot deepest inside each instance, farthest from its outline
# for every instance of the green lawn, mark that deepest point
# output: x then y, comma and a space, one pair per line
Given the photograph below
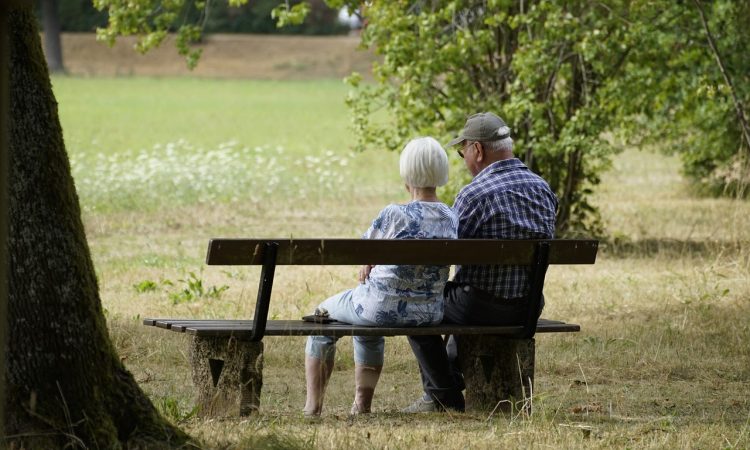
143, 144
128, 114
162, 165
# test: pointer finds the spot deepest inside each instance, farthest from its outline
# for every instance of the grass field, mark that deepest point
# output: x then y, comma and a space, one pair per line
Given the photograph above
162, 165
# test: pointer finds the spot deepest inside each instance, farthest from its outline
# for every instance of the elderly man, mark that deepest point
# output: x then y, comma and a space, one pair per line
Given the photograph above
505, 200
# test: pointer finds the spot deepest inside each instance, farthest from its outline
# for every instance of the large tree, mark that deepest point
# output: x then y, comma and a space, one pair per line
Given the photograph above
4, 107
65, 384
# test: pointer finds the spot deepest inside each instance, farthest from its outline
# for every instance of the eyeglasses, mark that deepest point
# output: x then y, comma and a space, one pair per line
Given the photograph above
463, 148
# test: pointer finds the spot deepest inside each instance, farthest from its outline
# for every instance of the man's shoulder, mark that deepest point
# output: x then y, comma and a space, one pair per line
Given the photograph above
493, 179
517, 173
471, 192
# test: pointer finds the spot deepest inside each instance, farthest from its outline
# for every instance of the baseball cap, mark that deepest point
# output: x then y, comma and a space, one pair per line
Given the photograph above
483, 127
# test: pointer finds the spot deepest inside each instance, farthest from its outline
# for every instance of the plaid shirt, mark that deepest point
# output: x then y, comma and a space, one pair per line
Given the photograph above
506, 200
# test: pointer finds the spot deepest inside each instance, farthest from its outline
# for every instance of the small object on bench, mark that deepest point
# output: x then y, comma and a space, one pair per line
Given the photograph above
319, 316
497, 361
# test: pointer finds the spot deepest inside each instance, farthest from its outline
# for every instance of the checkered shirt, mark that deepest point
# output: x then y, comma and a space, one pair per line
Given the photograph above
506, 200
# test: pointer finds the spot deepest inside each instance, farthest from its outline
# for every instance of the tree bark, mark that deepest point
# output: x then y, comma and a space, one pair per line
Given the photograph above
4, 114
52, 43
65, 384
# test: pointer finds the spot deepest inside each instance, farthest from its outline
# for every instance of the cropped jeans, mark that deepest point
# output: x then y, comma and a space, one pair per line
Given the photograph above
368, 350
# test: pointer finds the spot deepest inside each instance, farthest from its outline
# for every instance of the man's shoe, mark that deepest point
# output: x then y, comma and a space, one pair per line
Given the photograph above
422, 405
426, 404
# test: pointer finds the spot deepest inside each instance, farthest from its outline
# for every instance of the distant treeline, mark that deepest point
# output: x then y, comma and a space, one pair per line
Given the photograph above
254, 17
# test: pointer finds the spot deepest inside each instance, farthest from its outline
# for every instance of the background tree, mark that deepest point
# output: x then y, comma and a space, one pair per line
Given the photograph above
52, 41
255, 17
696, 100
80, 16
65, 384
547, 67
222, 17
187, 19
569, 76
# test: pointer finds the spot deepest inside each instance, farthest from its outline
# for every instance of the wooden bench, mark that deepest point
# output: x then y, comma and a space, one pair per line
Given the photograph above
498, 361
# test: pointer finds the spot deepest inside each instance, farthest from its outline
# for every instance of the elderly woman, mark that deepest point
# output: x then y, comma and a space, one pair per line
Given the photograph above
389, 295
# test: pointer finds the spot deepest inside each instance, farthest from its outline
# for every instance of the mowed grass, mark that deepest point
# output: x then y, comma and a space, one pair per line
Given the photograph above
139, 144
662, 360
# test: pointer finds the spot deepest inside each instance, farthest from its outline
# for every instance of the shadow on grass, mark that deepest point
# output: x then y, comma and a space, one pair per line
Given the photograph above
645, 248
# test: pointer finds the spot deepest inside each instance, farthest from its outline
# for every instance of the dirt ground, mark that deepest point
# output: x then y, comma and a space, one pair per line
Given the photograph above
224, 56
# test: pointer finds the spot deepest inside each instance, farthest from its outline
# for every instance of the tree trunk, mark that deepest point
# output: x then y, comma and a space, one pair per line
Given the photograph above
4, 115
52, 45
65, 383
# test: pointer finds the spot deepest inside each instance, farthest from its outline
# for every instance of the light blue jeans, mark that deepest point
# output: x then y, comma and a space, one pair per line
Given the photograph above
368, 350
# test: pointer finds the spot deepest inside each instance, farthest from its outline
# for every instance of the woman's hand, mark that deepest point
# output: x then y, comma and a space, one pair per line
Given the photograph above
364, 273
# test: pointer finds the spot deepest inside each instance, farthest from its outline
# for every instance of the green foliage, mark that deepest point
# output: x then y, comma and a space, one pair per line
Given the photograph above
194, 289
146, 286
152, 20
226, 16
543, 65
255, 17
686, 103
172, 409
290, 15
567, 76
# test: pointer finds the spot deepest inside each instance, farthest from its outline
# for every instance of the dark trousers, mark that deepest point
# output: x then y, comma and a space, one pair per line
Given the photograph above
438, 359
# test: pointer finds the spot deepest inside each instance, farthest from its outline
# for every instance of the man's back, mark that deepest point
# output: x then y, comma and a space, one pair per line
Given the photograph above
506, 200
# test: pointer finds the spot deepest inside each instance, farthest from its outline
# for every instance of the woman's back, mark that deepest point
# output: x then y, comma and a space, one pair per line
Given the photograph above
407, 295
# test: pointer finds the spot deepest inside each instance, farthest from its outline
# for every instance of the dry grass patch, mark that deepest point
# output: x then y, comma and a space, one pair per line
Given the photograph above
224, 56
662, 361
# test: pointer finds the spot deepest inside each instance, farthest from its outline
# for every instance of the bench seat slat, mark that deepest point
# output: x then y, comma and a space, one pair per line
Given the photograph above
401, 251
242, 328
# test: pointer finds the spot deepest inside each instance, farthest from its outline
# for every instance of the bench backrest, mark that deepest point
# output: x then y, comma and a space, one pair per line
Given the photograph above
537, 254
307, 252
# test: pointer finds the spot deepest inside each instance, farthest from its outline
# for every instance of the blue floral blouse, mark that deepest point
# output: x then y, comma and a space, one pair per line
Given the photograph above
406, 295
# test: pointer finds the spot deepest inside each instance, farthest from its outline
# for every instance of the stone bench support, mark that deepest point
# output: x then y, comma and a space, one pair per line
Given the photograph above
498, 372
228, 375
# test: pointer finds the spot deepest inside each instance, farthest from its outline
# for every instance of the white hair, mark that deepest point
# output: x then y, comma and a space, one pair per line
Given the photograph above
424, 163
502, 144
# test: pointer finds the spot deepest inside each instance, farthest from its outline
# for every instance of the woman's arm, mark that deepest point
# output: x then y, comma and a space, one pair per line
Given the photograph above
378, 230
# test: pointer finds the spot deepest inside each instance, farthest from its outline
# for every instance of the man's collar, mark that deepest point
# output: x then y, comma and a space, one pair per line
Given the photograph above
500, 166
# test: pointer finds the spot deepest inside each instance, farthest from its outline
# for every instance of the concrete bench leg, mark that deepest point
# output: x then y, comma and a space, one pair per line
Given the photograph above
228, 375
499, 373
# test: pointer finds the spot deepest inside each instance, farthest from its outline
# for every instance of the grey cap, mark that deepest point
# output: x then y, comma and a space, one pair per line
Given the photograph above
482, 127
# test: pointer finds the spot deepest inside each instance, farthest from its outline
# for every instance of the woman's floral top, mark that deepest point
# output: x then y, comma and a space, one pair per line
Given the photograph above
406, 295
